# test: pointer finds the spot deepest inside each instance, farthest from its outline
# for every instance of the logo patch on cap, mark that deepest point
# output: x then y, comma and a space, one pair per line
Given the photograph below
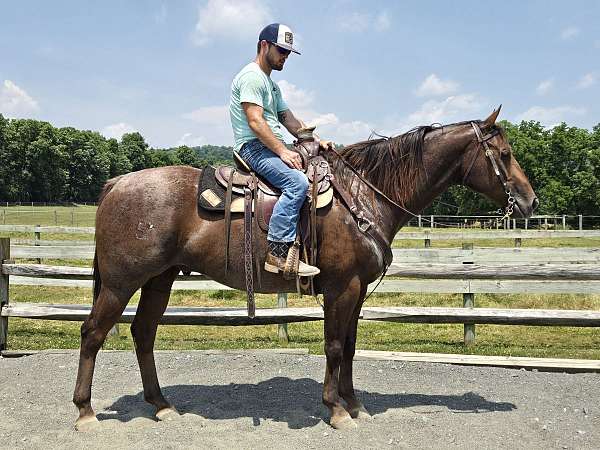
289, 38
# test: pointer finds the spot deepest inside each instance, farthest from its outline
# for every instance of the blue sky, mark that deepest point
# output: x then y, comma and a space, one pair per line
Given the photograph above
164, 68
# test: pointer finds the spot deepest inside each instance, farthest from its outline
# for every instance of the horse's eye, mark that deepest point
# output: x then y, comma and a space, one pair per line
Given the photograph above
505, 152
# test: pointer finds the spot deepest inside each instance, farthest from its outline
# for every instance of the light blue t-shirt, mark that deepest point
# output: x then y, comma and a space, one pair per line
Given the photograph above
252, 85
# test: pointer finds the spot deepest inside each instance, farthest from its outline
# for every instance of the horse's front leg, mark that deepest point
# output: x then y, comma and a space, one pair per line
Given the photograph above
354, 406
339, 309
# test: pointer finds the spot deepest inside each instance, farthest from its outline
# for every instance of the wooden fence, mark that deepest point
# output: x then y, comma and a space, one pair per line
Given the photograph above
429, 270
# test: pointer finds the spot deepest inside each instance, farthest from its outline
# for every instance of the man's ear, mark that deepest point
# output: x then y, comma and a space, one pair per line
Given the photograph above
264, 46
491, 120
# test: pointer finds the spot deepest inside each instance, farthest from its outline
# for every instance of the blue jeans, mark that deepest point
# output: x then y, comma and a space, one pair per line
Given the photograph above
292, 183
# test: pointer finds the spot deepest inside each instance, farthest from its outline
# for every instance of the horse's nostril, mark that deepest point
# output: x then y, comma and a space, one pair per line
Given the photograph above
535, 203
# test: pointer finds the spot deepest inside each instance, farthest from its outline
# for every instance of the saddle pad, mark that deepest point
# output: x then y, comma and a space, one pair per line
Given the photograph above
211, 195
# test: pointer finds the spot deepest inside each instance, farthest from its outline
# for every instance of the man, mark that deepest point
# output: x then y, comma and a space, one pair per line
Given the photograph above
257, 112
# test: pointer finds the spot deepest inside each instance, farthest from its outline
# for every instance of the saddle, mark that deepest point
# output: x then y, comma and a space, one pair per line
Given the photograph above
240, 190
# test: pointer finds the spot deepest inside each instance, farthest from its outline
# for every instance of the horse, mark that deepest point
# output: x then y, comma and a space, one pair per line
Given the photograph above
148, 227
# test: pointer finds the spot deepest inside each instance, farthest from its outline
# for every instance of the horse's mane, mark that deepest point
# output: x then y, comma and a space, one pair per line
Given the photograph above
394, 164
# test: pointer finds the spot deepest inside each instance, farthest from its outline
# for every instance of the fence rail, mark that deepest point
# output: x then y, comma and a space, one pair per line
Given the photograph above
467, 271
403, 235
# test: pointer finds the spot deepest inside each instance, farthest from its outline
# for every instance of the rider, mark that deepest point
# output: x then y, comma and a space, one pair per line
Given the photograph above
257, 112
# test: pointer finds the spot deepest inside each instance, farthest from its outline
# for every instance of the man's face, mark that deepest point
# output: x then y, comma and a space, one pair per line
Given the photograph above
276, 57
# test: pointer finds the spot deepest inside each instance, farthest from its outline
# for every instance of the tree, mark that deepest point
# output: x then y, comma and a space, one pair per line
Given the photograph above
135, 148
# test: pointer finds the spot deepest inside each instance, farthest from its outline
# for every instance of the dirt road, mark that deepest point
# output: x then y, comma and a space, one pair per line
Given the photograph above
273, 400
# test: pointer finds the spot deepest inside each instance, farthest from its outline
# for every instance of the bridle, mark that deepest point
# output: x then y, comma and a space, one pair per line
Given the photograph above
482, 141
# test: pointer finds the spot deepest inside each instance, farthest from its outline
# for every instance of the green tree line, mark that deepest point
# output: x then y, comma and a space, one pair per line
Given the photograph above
42, 163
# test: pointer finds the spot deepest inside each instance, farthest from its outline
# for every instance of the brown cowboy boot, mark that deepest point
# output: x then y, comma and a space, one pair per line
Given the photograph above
277, 256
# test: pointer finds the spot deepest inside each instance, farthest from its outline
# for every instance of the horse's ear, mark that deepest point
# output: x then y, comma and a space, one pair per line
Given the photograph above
491, 120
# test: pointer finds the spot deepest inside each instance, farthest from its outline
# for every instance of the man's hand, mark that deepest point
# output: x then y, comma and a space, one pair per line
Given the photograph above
291, 158
326, 145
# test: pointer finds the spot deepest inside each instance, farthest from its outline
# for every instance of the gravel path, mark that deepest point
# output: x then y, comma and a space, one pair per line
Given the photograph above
273, 400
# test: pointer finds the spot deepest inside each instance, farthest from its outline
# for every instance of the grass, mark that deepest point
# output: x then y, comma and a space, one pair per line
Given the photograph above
563, 342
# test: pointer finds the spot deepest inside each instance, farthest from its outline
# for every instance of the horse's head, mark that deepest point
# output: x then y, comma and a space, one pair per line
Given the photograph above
490, 168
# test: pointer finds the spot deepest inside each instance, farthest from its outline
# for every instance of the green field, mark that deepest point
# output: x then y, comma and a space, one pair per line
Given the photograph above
563, 342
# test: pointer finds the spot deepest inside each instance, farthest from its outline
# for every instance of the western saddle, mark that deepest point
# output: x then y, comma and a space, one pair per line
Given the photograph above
244, 191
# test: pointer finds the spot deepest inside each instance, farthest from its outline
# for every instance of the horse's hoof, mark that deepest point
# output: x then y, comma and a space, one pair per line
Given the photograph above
360, 414
88, 423
344, 423
167, 414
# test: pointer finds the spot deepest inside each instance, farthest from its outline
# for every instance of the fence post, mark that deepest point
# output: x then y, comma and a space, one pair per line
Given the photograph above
282, 330
431, 223
526, 224
564, 222
420, 221
468, 302
37, 238
580, 222
4, 255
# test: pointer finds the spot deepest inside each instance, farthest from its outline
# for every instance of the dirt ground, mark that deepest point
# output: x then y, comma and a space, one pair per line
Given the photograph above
268, 399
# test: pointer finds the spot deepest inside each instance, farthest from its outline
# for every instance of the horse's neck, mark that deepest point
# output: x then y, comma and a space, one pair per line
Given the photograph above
442, 161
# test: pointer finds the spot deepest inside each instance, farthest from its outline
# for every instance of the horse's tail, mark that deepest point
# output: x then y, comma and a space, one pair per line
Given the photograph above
97, 283
97, 280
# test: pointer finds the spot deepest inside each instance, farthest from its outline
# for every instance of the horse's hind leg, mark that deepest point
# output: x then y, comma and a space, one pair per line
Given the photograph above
153, 302
107, 309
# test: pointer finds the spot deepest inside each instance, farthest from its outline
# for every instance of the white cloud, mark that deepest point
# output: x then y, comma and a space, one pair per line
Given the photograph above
348, 132
190, 140
356, 22
117, 130
382, 21
433, 86
449, 110
329, 124
360, 22
14, 101
295, 98
544, 87
210, 115
589, 79
569, 33
550, 116
230, 19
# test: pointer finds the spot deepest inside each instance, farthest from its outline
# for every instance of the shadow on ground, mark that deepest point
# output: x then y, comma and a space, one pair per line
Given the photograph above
296, 402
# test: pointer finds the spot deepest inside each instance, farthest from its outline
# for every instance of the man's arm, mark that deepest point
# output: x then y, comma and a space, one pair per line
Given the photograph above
261, 129
293, 124
290, 122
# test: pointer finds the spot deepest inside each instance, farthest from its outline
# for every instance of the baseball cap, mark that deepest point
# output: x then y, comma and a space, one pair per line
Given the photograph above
280, 35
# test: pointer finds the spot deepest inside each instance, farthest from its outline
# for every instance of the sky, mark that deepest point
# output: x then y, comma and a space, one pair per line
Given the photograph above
164, 68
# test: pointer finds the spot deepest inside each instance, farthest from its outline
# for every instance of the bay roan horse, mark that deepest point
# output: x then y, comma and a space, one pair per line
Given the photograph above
148, 227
